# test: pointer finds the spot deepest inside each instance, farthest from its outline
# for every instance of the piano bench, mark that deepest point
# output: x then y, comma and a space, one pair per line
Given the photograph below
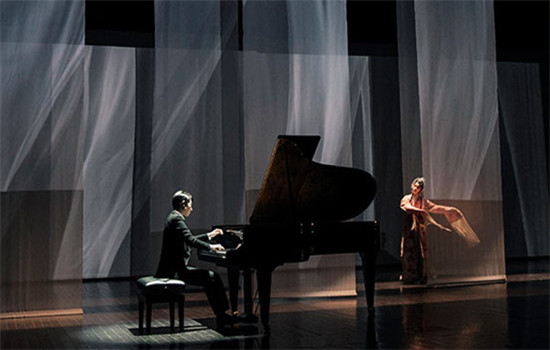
160, 290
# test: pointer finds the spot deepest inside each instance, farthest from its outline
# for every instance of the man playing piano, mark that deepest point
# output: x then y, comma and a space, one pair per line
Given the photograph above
177, 242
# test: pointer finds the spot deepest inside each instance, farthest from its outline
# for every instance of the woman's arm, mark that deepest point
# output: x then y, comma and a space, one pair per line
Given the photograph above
406, 205
451, 213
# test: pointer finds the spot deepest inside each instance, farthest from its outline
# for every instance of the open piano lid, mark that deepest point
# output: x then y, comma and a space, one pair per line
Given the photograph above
297, 189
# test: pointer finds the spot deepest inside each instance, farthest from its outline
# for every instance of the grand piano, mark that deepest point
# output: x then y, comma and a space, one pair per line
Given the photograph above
304, 208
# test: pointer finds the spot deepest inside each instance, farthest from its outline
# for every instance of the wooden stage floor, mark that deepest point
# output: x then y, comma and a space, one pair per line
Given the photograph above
511, 315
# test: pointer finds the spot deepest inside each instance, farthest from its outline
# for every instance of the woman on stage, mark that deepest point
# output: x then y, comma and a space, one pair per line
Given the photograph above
417, 217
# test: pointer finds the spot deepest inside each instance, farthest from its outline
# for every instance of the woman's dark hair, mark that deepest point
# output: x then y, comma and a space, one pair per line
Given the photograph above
419, 181
181, 199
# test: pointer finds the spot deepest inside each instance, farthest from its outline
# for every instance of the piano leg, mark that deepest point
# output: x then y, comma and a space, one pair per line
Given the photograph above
248, 316
233, 281
264, 291
368, 261
248, 298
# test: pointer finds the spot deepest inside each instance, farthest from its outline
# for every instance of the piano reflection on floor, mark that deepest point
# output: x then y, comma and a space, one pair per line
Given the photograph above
304, 208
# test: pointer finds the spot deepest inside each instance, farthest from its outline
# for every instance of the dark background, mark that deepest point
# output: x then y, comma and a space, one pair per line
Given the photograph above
521, 26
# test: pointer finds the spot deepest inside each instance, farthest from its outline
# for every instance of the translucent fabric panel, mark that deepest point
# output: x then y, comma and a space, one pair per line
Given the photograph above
311, 82
296, 81
409, 103
323, 80
522, 118
457, 90
458, 95
265, 26
266, 83
109, 159
319, 77
186, 128
361, 114
387, 148
31, 21
42, 106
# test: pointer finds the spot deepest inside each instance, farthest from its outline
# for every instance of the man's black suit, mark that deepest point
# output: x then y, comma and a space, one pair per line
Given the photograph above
177, 242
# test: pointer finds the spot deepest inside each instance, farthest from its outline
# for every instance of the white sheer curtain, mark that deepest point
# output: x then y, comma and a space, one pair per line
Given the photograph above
186, 134
457, 92
361, 117
458, 95
41, 126
109, 155
296, 81
319, 99
296, 63
266, 80
522, 116
408, 94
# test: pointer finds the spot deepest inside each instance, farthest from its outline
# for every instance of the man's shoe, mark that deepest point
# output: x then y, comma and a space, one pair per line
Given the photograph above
246, 318
225, 320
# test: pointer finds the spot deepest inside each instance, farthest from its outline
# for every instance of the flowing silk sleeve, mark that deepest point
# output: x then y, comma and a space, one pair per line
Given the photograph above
457, 220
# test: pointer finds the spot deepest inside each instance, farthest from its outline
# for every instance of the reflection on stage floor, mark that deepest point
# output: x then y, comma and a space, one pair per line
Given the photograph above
513, 315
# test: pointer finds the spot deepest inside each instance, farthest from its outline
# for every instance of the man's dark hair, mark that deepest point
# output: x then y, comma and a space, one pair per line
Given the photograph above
180, 199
